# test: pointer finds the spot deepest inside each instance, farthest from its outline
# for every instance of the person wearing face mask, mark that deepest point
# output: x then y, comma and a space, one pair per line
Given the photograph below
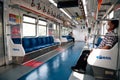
109, 40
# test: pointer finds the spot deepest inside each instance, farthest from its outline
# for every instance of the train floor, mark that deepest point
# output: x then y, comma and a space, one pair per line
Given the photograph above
54, 65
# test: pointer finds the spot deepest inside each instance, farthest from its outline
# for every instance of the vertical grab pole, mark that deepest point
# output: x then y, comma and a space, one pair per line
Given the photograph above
96, 31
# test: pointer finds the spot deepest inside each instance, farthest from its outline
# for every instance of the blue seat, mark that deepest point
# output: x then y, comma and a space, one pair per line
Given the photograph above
69, 38
51, 39
35, 43
44, 40
91, 45
16, 40
98, 41
64, 36
48, 40
26, 45
39, 39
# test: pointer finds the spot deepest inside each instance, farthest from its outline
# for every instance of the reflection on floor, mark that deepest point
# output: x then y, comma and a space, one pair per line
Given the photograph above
79, 76
33, 63
76, 76
58, 67
55, 65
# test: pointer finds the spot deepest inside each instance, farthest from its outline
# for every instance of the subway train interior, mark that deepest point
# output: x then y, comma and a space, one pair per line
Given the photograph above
47, 39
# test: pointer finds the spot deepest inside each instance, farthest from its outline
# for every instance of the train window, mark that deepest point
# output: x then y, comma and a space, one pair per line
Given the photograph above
65, 31
40, 22
111, 15
29, 26
28, 19
29, 29
42, 29
103, 28
54, 26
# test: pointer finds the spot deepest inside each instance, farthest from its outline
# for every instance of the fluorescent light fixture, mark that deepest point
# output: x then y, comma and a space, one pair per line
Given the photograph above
51, 1
85, 8
84, 2
66, 13
75, 21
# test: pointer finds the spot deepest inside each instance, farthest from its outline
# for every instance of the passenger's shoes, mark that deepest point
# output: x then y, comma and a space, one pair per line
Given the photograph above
74, 67
78, 70
82, 71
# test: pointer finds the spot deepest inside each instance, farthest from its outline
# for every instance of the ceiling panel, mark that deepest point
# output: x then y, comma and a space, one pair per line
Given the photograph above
74, 12
105, 6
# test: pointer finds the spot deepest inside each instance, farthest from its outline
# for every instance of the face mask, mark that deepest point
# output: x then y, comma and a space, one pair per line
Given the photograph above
107, 27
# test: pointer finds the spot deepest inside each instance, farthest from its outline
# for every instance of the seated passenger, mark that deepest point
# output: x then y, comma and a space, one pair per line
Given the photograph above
109, 40
71, 35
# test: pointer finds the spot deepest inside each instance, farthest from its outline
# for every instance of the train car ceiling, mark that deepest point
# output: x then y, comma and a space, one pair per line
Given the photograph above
48, 13
79, 12
106, 8
75, 9
44, 8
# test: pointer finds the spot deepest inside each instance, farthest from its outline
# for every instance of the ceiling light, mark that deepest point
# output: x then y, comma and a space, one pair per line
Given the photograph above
51, 1
75, 21
66, 13
85, 8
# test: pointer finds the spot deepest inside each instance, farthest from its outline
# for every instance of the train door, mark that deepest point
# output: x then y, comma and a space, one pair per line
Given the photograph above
2, 56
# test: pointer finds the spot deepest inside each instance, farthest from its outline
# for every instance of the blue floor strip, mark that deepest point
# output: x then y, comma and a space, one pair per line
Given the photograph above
58, 67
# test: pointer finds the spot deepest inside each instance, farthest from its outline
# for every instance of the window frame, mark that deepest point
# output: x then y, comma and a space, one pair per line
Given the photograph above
43, 26
30, 23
